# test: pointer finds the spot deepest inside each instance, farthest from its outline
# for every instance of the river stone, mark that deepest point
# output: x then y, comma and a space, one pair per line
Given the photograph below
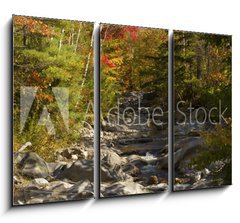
111, 158
131, 169
31, 165
74, 153
40, 182
79, 170
35, 201
124, 188
136, 160
153, 180
80, 190
157, 187
112, 174
58, 186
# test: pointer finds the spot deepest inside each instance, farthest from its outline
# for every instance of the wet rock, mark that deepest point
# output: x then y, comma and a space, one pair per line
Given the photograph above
153, 180
112, 173
137, 161
134, 141
131, 169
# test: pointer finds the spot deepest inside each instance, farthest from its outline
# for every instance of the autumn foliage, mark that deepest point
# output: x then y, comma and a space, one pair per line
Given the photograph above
51, 53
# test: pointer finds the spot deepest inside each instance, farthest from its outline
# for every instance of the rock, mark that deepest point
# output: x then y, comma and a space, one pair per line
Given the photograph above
35, 201
131, 169
180, 187
185, 148
111, 158
75, 153
111, 166
157, 187
153, 180
206, 171
137, 161
54, 166
87, 132
16, 180
40, 182
194, 133
198, 176
58, 187
216, 166
135, 140
79, 170
74, 157
31, 165
112, 174
181, 180
162, 162
123, 188
81, 190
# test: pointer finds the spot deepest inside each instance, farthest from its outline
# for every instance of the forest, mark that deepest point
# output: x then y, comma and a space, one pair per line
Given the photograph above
52, 109
52, 53
134, 104
133, 59
202, 89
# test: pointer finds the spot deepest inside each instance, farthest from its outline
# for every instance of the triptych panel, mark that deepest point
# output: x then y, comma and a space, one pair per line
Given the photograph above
134, 104
53, 119
203, 115
53, 110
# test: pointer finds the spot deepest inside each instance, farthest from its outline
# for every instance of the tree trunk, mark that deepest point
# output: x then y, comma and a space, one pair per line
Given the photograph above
198, 67
70, 36
25, 35
88, 61
60, 41
78, 35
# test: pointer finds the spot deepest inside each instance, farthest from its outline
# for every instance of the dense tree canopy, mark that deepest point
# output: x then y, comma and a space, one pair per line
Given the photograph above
51, 53
133, 59
202, 69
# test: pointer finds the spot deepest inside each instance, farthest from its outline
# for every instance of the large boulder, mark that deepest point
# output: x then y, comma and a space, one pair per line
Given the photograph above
31, 165
111, 166
111, 158
80, 190
123, 188
76, 171
109, 174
